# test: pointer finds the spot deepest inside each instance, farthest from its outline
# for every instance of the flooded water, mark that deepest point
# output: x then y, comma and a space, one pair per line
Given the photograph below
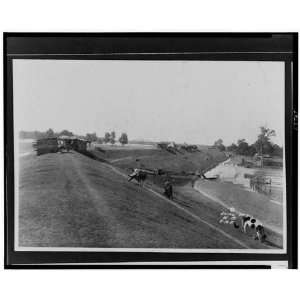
231, 172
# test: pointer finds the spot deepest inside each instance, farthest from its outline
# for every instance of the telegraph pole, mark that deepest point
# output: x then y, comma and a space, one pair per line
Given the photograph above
261, 153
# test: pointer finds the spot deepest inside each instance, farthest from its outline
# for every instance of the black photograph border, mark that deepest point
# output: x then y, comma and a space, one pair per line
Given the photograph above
152, 46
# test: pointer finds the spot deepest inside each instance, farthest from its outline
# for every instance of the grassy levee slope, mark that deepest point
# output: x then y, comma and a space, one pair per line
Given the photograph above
70, 200
180, 162
185, 193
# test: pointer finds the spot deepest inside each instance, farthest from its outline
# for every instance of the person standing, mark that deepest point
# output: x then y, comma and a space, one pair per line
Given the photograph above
168, 189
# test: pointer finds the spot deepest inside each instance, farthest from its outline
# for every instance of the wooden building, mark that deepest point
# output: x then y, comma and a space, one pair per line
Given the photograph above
79, 145
46, 145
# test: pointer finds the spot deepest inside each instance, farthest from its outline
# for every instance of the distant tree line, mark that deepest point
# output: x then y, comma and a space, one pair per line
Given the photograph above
43, 134
109, 137
262, 146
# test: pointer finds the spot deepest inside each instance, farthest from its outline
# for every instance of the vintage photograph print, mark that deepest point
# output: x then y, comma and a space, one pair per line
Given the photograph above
149, 155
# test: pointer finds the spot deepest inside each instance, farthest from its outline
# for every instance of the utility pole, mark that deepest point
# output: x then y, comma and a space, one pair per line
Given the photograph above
261, 153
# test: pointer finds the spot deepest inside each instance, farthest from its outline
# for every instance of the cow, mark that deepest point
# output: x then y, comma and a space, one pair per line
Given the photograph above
251, 223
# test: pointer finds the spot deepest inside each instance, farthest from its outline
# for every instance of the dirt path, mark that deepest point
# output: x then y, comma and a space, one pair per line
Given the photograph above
121, 159
128, 158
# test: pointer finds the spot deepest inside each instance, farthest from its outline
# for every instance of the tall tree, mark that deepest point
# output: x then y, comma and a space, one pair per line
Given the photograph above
242, 147
91, 137
232, 148
112, 137
219, 144
50, 133
106, 137
66, 132
277, 150
123, 138
100, 140
263, 143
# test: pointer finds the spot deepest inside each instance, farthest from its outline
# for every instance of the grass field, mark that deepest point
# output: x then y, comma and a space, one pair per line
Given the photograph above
183, 161
71, 200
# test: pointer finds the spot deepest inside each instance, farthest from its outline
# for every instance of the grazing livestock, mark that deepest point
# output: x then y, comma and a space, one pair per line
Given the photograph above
250, 222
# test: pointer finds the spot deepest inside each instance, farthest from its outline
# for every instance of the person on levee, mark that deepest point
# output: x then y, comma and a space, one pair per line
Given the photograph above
168, 189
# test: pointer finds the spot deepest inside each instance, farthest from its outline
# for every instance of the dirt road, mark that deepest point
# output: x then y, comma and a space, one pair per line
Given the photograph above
70, 200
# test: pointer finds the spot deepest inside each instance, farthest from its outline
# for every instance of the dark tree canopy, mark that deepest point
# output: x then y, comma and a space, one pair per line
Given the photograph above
123, 138
66, 132
232, 148
263, 145
242, 147
100, 140
106, 137
219, 144
91, 137
112, 137
50, 133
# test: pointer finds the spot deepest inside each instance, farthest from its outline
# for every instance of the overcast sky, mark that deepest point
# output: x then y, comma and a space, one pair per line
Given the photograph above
181, 101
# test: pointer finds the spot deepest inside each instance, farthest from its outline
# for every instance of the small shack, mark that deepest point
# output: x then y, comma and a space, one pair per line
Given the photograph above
65, 142
79, 145
46, 145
